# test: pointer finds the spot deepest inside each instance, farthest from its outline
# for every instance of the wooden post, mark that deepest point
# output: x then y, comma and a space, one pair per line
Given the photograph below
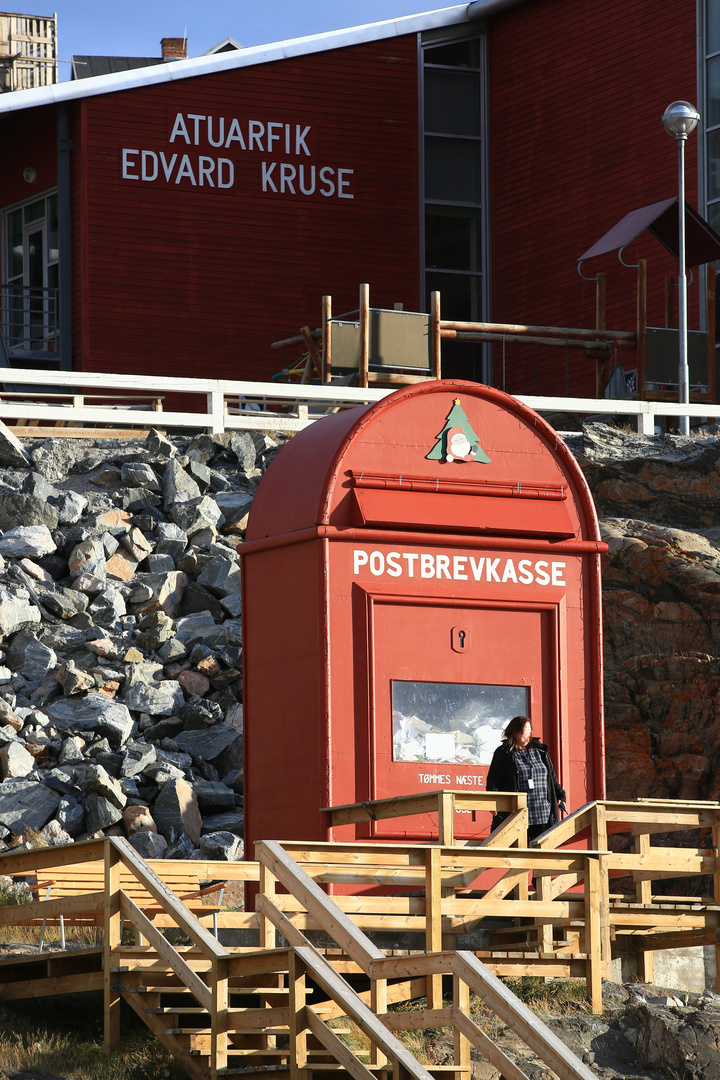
641, 326
297, 1020
267, 929
326, 339
378, 1004
593, 976
446, 818
364, 306
113, 934
461, 1045
219, 1016
433, 920
643, 892
435, 339
599, 842
669, 297
543, 892
710, 285
314, 360
600, 325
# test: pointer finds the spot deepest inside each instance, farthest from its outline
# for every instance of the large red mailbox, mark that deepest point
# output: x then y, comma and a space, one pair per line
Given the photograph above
415, 574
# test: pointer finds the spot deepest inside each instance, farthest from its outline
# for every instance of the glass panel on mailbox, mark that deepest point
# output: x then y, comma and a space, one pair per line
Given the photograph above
452, 722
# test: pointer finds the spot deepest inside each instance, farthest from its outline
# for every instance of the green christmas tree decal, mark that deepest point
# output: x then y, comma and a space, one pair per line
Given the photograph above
457, 441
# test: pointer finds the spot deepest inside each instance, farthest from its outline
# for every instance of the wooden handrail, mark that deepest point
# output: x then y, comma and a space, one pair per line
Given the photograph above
619, 337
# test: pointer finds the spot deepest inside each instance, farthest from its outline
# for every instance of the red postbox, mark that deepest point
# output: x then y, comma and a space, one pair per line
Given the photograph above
415, 574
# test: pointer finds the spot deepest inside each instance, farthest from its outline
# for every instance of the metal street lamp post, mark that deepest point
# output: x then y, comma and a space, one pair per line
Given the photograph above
680, 119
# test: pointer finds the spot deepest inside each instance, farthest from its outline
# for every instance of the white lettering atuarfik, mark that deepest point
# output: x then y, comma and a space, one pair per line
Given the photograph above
270, 138
438, 567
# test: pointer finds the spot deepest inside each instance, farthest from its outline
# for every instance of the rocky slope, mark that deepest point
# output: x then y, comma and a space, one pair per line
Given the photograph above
658, 499
120, 639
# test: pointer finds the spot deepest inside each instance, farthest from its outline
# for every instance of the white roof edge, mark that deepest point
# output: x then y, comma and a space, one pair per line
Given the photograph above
18, 100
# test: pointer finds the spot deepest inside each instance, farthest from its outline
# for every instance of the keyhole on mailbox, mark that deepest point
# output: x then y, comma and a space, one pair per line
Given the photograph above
460, 639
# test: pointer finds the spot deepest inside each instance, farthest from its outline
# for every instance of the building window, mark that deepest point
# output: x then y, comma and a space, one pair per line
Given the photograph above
29, 294
454, 171
711, 112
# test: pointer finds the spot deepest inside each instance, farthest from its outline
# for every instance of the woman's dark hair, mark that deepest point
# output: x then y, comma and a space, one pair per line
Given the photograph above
514, 728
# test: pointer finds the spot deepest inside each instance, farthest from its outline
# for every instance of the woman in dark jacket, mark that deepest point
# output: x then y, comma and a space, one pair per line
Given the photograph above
522, 763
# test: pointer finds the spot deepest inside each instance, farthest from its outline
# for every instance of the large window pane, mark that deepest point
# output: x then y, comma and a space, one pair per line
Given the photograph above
459, 54
15, 244
712, 26
452, 102
452, 170
452, 722
713, 165
459, 295
452, 238
52, 219
35, 211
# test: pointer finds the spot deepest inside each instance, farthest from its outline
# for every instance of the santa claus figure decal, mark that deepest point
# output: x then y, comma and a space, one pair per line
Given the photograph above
457, 441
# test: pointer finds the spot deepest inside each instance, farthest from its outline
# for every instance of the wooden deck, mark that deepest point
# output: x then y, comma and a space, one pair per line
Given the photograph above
265, 1000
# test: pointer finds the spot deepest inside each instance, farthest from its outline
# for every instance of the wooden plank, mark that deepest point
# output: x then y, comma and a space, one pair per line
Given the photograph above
27, 862
168, 900
475, 1035
378, 1004
357, 1010
461, 1005
297, 1015
435, 336
433, 921
643, 891
512, 831
337, 1047
417, 1019
52, 908
334, 921
537, 1035
25, 989
267, 888
364, 313
218, 1017
170, 955
446, 818
593, 939
240, 1019
634, 941
566, 829
113, 934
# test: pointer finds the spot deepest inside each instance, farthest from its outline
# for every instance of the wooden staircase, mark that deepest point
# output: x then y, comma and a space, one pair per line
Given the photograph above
280, 1003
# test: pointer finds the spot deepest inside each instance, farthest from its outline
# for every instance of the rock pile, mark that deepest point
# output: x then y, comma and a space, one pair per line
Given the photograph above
121, 641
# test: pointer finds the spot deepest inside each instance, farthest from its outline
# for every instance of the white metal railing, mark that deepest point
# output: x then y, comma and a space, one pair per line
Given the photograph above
226, 405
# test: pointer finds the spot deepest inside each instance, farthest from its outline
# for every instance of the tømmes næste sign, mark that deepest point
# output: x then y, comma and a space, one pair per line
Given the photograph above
203, 150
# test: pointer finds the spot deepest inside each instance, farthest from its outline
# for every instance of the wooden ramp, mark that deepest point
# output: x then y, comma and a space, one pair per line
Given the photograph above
277, 999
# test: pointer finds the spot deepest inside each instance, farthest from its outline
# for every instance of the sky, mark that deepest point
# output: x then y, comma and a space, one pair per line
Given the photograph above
135, 27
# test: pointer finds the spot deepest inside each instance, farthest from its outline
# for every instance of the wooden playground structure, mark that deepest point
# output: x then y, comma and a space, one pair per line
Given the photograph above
462, 914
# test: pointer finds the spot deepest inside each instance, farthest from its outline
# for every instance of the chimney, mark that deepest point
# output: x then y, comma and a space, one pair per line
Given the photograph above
174, 48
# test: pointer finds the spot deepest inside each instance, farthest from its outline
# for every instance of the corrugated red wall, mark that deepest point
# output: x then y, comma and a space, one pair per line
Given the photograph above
190, 279
577, 92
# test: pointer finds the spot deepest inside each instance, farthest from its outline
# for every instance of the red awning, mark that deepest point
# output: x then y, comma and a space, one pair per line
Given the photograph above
702, 243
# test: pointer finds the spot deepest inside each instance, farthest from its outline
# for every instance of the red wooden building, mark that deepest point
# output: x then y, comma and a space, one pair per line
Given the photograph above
178, 218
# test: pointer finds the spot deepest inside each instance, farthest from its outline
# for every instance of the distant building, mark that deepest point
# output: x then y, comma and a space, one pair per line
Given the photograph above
87, 67
179, 217
28, 51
